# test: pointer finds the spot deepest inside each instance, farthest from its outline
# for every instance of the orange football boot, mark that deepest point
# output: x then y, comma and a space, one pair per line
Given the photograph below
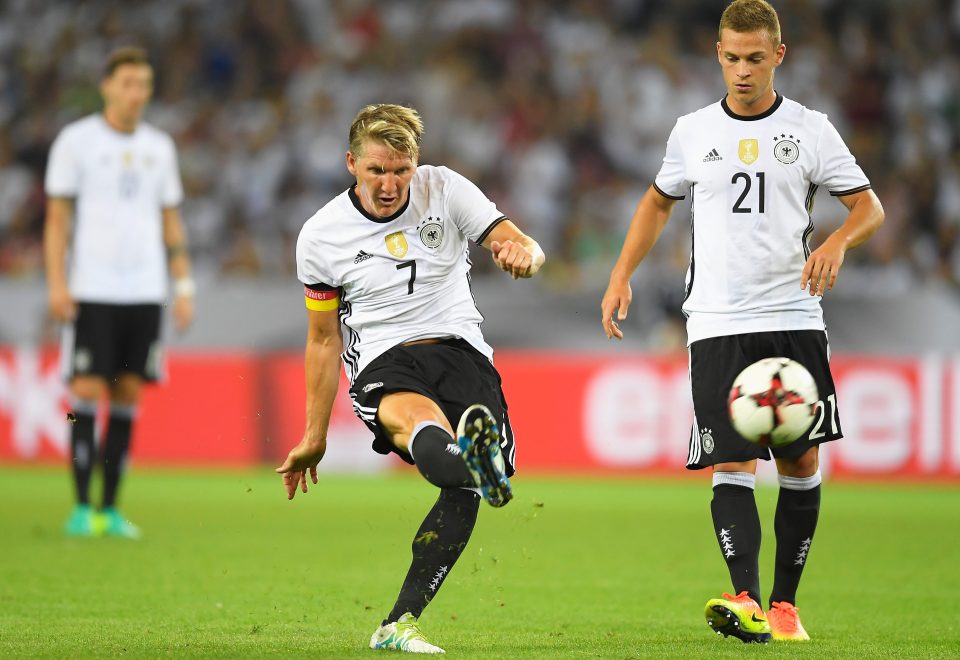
785, 623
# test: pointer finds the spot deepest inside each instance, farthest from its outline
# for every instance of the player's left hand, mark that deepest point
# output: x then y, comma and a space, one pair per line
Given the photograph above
302, 459
616, 299
823, 265
514, 258
182, 312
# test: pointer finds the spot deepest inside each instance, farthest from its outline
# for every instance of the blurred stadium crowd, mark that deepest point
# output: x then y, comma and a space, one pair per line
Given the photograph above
558, 109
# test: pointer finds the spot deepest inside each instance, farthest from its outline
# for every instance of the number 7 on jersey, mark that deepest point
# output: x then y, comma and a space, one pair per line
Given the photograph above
412, 265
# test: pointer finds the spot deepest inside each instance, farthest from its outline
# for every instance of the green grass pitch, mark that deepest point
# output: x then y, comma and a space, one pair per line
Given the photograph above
612, 568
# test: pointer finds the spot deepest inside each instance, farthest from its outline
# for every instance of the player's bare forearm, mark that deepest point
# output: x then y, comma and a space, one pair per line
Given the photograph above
322, 367
648, 222
56, 232
823, 265
865, 217
175, 240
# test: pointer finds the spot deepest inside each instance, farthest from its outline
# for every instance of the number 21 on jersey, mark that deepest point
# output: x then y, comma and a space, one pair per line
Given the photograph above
746, 201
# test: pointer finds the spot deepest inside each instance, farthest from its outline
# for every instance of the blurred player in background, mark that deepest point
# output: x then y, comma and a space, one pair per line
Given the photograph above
387, 261
116, 178
753, 163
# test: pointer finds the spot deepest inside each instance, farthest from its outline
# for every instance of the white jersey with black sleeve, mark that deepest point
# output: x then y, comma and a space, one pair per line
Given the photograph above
400, 278
120, 184
753, 181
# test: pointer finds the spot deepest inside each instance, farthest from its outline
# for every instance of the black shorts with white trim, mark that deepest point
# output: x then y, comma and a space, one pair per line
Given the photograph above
714, 365
451, 372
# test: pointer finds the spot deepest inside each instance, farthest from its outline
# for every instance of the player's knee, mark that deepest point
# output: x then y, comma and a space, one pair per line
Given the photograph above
125, 391
400, 416
749, 467
87, 388
415, 418
805, 465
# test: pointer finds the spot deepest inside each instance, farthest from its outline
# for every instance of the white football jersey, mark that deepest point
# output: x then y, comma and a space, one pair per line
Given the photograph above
120, 183
400, 278
753, 181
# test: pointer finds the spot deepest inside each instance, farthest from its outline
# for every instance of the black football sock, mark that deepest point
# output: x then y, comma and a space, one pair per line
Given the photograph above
82, 443
437, 457
115, 450
737, 526
436, 548
798, 508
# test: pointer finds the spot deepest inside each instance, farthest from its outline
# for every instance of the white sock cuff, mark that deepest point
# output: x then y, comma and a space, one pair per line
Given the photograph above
416, 431
800, 483
122, 410
472, 490
85, 406
744, 479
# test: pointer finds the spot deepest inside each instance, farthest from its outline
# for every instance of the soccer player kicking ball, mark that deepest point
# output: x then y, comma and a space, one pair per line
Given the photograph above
387, 285
753, 162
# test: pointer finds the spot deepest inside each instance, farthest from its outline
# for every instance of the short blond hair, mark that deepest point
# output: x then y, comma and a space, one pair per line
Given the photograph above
398, 127
746, 16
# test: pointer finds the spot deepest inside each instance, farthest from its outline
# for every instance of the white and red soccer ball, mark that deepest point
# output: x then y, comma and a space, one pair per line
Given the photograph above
773, 401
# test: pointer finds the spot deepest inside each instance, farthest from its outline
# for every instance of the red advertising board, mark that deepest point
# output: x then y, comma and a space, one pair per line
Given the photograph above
570, 412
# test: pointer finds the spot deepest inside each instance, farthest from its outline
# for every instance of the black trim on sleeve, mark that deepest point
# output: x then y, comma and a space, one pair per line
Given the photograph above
657, 188
490, 228
762, 115
693, 262
359, 206
844, 193
320, 286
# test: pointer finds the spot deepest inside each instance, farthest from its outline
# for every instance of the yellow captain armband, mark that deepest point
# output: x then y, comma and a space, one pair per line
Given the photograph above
321, 301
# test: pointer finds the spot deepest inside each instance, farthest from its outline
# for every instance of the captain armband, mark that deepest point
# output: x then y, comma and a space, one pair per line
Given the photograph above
175, 250
321, 300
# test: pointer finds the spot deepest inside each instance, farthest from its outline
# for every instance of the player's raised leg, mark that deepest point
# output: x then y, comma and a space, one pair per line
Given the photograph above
737, 528
417, 426
798, 508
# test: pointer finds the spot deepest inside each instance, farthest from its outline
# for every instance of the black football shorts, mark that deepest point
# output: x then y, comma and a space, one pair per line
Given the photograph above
714, 365
106, 340
452, 373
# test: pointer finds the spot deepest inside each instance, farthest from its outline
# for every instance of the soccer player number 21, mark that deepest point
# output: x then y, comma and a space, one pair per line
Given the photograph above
743, 176
412, 265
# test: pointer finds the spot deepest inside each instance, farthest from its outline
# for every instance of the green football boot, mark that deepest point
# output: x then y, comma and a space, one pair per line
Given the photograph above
404, 635
82, 522
113, 523
739, 616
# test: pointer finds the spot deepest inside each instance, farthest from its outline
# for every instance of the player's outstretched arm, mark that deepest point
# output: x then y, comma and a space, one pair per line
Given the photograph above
175, 240
648, 221
865, 217
322, 367
56, 232
513, 251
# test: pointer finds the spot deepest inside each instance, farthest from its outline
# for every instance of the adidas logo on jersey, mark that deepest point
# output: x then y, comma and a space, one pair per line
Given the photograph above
362, 256
712, 156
